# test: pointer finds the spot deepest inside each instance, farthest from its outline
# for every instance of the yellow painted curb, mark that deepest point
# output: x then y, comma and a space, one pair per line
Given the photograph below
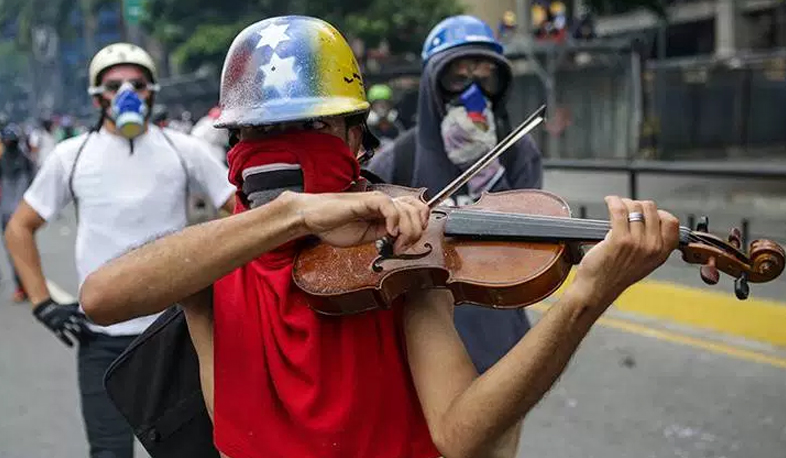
682, 339
755, 319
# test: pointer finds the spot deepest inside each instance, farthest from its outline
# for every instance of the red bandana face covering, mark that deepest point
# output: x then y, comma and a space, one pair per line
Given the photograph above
289, 382
304, 161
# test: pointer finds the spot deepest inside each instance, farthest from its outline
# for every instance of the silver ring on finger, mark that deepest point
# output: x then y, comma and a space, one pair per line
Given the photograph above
636, 217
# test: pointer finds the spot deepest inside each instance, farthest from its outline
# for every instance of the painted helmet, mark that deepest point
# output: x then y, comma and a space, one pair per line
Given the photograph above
286, 69
119, 54
459, 31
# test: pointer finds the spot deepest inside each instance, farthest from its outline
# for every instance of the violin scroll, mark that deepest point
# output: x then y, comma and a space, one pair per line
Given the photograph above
767, 260
764, 261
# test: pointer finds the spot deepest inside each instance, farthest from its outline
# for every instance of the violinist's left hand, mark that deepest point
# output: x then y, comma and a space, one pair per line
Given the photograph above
347, 219
630, 251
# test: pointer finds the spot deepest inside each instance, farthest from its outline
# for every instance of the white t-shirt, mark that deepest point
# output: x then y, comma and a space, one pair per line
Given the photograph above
125, 199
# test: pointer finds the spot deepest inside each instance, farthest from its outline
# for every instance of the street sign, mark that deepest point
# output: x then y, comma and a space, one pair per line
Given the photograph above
133, 11
45, 43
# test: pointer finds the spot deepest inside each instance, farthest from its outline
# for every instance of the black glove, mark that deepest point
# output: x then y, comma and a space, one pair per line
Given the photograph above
64, 320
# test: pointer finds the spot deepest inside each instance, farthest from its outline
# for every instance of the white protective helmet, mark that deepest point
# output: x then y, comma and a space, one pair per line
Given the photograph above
118, 54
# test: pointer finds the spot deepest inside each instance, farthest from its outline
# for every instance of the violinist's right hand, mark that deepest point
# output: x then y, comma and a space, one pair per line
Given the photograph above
630, 251
348, 219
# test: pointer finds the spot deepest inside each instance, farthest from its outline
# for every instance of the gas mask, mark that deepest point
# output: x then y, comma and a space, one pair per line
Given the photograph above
129, 112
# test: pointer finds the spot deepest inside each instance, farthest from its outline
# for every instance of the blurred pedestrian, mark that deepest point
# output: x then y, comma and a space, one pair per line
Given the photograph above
383, 118
218, 139
160, 115
507, 26
42, 141
16, 173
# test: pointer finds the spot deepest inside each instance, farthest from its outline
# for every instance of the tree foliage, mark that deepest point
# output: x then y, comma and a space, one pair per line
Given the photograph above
12, 73
200, 31
28, 14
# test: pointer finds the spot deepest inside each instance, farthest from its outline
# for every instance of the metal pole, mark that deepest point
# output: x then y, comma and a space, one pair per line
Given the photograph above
636, 103
633, 184
551, 100
131, 13
523, 18
745, 232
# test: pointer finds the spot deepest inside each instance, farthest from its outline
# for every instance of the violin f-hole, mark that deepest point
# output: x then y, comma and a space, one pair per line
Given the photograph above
376, 264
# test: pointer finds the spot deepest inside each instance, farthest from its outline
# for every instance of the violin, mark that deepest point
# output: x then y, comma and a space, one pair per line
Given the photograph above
508, 250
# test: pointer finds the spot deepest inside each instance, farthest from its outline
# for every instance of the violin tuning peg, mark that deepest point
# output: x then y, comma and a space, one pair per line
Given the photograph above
709, 274
704, 224
735, 237
741, 288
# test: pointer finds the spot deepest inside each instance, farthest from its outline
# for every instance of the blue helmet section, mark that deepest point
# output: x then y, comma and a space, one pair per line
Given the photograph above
457, 31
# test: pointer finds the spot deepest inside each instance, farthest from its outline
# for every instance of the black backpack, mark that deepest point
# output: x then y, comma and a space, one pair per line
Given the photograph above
155, 385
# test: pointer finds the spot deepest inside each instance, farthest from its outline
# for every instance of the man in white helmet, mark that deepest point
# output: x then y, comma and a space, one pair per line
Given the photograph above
129, 181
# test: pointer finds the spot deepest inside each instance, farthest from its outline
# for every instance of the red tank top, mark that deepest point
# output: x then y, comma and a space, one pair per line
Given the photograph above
290, 383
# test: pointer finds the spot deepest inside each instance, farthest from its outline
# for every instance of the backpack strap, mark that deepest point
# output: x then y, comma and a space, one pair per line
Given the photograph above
180, 159
73, 171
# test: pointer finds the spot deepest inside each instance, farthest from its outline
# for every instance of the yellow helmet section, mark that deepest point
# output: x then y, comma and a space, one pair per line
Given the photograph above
339, 72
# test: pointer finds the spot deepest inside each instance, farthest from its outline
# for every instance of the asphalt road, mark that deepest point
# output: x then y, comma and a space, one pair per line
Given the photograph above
627, 393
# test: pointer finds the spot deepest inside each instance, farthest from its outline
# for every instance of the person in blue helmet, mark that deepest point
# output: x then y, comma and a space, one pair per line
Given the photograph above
461, 116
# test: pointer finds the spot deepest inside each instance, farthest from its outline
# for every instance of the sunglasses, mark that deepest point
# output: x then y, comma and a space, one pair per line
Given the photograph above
112, 86
462, 74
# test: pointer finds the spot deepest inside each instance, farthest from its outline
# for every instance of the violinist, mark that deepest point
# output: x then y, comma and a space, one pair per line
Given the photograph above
281, 380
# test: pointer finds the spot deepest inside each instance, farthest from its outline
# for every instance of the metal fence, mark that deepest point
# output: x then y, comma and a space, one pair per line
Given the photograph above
605, 106
638, 168
597, 97
196, 92
704, 108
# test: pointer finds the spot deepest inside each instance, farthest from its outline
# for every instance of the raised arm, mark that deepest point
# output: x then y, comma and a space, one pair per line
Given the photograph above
471, 416
151, 278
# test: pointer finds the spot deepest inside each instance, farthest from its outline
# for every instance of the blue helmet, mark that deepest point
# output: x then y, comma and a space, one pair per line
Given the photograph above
458, 31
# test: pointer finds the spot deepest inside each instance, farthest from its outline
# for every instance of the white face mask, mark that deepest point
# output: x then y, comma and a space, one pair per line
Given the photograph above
468, 136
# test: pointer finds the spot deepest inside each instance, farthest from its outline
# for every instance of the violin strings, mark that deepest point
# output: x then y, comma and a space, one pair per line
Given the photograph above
550, 226
542, 221
571, 222
567, 222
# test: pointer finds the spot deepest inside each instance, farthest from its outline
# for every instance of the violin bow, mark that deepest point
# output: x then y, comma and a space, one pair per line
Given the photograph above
517, 134
385, 244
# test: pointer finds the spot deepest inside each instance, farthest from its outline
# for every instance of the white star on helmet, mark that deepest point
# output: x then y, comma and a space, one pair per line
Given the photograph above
279, 72
273, 35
